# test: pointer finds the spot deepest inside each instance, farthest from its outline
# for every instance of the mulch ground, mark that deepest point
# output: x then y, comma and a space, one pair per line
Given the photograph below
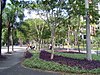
81, 63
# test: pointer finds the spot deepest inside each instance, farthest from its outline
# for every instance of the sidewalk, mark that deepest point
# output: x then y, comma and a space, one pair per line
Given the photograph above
19, 70
16, 48
12, 59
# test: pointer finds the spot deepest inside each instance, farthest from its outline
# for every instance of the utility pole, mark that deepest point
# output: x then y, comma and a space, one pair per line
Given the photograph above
88, 41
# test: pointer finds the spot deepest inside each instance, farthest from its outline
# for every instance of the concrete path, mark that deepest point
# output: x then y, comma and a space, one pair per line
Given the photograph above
16, 48
19, 70
11, 59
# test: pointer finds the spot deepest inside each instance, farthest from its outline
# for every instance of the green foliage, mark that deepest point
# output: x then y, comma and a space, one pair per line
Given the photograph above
46, 33
4, 36
12, 11
60, 34
38, 29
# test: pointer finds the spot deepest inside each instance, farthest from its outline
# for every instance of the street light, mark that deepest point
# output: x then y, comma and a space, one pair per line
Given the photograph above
88, 41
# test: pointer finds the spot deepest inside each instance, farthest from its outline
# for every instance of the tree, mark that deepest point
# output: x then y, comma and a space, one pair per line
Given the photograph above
78, 8
52, 10
21, 32
61, 34
3, 3
12, 11
39, 27
37, 31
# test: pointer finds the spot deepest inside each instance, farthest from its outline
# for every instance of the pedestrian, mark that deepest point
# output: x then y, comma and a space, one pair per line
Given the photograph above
50, 46
28, 46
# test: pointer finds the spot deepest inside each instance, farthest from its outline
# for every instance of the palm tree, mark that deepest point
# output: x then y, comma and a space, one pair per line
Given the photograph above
12, 11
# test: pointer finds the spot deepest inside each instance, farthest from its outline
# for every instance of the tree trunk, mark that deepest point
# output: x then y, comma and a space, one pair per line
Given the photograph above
20, 42
68, 38
8, 43
75, 38
43, 43
0, 31
39, 44
97, 48
58, 41
12, 40
77, 35
88, 41
1, 9
53, 41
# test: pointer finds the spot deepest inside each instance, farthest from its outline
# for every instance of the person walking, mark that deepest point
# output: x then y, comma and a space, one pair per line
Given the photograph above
50, 46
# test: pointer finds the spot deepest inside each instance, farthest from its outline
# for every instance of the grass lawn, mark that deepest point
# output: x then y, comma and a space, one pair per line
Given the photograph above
77, 56
94, 47
36, 62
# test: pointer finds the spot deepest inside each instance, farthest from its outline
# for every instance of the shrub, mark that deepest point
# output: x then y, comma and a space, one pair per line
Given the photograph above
27, 54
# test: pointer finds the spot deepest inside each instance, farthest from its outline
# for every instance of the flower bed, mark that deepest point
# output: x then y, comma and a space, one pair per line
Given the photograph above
80, 63
27, 54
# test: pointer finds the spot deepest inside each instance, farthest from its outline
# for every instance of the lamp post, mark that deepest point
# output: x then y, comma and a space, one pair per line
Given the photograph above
88, 41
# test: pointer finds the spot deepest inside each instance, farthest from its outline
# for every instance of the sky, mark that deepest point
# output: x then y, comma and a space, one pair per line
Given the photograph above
26, 12
31, 15
99, 7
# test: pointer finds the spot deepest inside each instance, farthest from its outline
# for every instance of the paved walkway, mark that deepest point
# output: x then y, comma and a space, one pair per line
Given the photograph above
19, 70
12, 66
12, 59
